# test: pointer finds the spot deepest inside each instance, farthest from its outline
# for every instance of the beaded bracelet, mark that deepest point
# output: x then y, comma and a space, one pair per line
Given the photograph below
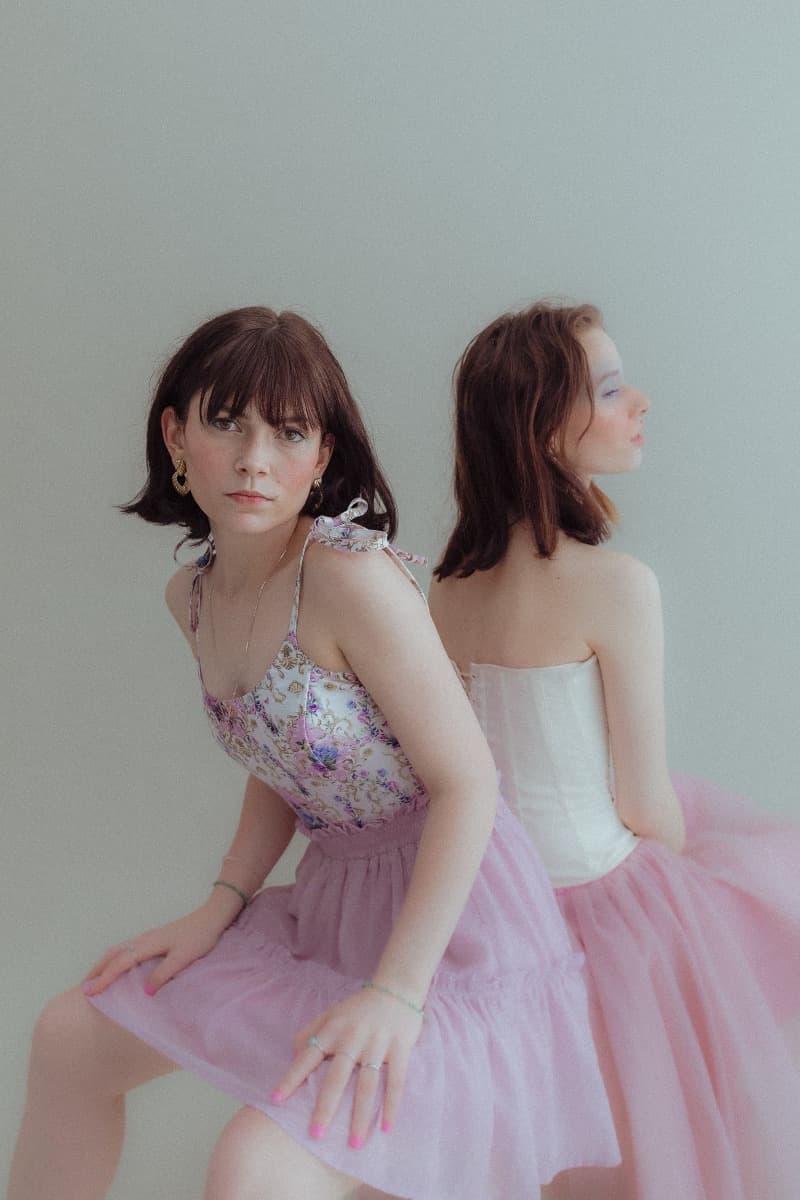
378, 987
242, 896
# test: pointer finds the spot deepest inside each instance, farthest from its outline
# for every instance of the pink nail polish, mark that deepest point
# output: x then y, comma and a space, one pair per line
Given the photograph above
356, 1141
386, 1126
88, 987
318, 1131
150, 990
277, 1096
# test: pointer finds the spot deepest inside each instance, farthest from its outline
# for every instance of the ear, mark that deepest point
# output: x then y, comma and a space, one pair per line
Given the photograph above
325, 451
172, 431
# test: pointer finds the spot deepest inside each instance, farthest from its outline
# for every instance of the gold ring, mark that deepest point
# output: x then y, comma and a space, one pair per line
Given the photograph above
371, 1066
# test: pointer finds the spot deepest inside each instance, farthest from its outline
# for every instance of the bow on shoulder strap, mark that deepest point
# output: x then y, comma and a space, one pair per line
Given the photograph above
344, 533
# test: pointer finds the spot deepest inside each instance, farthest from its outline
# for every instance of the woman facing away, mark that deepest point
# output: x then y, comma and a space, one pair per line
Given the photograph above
409, 1018
685, 904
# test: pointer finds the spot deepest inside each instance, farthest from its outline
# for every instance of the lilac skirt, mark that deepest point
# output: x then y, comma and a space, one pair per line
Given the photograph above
504, 1089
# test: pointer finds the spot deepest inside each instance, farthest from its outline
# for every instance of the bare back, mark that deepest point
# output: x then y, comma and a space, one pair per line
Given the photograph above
526, 611
529, 612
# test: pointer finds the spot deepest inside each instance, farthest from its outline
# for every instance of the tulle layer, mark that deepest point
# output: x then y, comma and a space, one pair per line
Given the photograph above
503, 1090
694, 971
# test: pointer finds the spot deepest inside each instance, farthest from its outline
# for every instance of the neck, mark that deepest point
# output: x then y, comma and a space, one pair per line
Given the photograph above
243, 560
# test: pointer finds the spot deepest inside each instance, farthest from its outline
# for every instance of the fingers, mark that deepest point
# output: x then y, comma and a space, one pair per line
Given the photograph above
369, 1070
103, 962
115, 962
308, 1056
337, 1077
369, 1081
396, 1072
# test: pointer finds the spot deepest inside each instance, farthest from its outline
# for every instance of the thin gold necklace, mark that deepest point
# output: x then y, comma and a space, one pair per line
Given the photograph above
264, 582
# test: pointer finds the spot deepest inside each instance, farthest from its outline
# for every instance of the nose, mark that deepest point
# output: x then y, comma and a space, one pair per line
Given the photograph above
640, 402
255, 454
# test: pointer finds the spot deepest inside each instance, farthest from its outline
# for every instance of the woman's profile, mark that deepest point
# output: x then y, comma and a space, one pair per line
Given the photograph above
684, 902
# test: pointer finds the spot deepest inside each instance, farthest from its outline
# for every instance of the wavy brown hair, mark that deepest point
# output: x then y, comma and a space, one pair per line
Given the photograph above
280, 363
515, 386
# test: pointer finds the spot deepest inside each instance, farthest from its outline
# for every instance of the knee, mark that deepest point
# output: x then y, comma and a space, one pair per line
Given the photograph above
62, 1035
242, 1150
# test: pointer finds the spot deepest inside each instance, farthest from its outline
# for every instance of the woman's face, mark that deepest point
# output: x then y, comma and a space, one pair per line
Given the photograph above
245, 474
613, 441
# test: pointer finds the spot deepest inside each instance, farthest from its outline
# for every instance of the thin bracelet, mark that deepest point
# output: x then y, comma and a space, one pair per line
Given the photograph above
224, 883
378, 987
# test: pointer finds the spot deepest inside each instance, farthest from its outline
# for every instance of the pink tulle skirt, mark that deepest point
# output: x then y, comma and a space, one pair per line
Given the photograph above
694, 979
503, 1089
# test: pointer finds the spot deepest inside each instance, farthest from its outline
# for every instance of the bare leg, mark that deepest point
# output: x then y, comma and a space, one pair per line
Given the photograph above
71, 1136
255, 1159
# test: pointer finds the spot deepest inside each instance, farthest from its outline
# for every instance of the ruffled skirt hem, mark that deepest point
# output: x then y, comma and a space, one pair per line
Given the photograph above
503, 1088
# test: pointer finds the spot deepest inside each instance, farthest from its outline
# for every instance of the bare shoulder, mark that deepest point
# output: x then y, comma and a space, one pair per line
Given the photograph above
621, 600
354, 585
176, 594
610, 574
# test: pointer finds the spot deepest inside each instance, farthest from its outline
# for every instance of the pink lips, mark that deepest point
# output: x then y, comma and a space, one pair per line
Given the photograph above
638, 440
248, 497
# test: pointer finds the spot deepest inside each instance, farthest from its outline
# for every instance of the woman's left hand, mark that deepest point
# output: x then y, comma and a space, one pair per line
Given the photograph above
369, 1033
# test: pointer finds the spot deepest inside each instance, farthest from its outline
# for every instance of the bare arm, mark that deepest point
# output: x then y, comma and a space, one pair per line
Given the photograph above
265, 828
627, 634
385, 632
383, 629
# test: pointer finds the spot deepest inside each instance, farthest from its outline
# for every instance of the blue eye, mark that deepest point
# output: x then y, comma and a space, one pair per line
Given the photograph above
612, 392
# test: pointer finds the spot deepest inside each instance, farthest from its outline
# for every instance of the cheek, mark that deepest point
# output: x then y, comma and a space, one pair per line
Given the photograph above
204, 458
299, 466
608, 427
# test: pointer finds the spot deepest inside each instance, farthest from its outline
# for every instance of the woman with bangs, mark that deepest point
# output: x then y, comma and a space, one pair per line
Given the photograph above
684, 902
408, 1019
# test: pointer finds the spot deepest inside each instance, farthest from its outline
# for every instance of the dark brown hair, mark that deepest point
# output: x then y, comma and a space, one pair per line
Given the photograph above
515, 386
283, 365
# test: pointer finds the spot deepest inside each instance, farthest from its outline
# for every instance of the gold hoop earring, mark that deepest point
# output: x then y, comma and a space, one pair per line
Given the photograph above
315, 496
180, 480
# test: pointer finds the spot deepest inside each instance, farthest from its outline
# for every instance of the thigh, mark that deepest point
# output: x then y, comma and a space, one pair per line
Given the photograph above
72, 1036
253, 1148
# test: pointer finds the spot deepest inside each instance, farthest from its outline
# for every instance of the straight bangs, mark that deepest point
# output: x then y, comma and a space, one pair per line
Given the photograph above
280, 364
283, 387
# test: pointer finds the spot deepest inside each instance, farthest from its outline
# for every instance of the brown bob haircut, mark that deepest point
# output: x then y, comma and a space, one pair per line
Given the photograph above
280, 363
515, 386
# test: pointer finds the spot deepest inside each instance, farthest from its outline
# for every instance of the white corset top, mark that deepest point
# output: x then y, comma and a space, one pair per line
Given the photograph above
548, 732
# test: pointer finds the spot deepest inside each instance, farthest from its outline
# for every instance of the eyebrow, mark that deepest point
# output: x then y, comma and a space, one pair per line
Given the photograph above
608, 375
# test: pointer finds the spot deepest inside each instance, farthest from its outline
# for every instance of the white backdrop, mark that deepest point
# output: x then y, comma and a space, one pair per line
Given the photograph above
400, 173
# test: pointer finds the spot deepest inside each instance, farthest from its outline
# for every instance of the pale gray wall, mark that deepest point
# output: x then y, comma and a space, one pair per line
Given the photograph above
400, 172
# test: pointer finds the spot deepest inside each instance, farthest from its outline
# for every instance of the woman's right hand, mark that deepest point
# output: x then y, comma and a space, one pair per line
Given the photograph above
177, 944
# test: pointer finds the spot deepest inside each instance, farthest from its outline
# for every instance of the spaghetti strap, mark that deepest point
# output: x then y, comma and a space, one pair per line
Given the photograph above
292, 631
196, 594
344, 533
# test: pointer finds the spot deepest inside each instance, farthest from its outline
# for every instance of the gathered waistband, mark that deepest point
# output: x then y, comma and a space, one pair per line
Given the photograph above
368, 841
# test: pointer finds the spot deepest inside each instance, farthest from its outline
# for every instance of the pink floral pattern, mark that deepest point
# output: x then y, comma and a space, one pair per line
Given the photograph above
316, 736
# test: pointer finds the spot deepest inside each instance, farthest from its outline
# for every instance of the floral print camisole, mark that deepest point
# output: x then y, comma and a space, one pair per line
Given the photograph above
316, 736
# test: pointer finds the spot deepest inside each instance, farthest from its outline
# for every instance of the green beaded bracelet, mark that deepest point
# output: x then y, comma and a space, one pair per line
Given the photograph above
378, 987
224, 883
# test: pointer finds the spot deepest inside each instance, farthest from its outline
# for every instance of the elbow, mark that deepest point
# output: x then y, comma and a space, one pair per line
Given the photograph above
659, 818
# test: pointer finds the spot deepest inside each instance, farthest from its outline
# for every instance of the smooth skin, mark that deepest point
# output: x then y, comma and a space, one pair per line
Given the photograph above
358, 613
529, 611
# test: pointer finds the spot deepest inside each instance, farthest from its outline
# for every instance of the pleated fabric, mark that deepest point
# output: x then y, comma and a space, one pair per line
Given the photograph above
503, 1090
694, 984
